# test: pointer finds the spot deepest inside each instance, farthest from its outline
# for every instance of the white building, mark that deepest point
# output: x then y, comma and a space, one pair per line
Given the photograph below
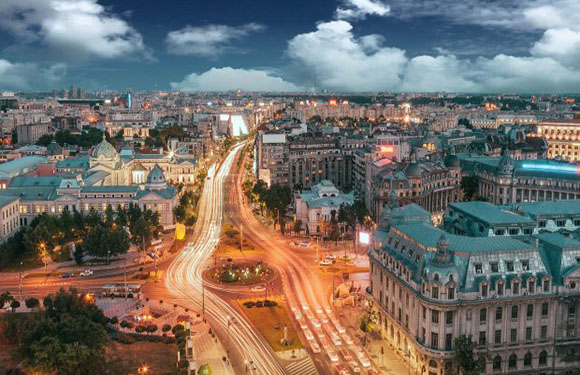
313, 207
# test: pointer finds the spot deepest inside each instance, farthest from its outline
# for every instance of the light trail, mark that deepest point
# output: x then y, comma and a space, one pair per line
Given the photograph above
184, 276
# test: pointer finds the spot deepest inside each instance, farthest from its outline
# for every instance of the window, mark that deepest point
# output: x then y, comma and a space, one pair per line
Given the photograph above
478, 268
516, 288
530, 312
514, 312
545, 309
484, 290
513, 361
546, 285
528, 359
451, 293
500, 288
531, 286
468, 315
435, 292
424, 312
434, 339
498, 313
423, 334
449, 317
499, 232
528, 333
494, 267
544, 332
571, 309
509, 265
434, 316
525, 265
561, 223
482, 316
513, 232
448, 341
497, 363
527, 231
542, 223
482, 338
543, 358
497, 338
513, 335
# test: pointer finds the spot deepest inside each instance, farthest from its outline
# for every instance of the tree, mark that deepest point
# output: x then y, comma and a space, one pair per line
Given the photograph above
465, 122
368, 319
100, 241
277, 200
5, 298
470, 186
469, 362
166, 328
205, 370
31, 303
14, 305
298, 226
152, 328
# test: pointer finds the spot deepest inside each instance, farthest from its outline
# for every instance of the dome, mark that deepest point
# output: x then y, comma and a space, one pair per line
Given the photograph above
506, 164
53, 148
413, 170
104, 150
156, 179
452, 161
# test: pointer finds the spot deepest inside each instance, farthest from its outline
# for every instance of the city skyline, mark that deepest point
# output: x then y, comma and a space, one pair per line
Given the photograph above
349, 45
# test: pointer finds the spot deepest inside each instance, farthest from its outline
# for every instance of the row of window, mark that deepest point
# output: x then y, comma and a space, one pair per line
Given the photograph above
513, 360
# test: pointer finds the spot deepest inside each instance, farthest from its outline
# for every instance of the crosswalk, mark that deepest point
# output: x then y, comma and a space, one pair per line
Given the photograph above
304, 366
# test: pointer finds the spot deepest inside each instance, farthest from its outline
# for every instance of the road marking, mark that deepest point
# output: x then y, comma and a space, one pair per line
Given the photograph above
304, 366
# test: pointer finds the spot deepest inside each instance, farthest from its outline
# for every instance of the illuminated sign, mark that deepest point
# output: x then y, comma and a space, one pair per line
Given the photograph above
552, 168
387, 149
332, 102
364, 238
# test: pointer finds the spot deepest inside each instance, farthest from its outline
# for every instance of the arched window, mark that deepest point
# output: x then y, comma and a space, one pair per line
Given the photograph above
528, 359
497, 363
450, 278
513, 361
433, 363
543, 360
436, 277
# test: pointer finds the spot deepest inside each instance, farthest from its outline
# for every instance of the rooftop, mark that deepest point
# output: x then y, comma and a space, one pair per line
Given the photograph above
490, 213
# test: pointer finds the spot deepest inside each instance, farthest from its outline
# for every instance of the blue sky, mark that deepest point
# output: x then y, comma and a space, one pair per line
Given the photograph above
343, 45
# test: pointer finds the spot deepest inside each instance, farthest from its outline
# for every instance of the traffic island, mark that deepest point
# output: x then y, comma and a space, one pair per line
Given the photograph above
243, 273
271, 320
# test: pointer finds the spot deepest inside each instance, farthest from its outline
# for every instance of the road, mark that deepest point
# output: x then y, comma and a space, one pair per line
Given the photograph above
183, 279
308, 293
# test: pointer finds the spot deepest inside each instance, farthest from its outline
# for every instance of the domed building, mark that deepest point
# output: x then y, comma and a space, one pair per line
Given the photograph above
105, 158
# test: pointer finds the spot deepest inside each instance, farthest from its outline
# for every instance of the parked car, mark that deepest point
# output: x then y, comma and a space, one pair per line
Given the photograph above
304, 244
315, 347
86, 273
67, 275
326, 262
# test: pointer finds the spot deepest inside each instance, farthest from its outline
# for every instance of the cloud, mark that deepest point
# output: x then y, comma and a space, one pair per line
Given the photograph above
359, 9
78, 29
227, 78
210, 40
343, 62
25, 76
562, 45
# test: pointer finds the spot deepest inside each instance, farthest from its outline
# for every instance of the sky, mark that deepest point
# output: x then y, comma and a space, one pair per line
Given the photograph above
299, 45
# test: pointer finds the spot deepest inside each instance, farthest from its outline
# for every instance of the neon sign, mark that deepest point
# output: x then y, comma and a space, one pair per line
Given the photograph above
552, 168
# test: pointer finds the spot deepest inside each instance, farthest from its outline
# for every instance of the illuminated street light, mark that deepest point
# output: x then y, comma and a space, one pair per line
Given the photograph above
143, 369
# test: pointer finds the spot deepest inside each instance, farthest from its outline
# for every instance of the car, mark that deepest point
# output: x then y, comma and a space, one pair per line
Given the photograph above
364, 361
297, 314
318, 310
86, 273
336, 340
305, 307
315, 347
326, 262
328, 311
341, 370
258, 289
302, 323
309, 315
354, 367
320, 334
304, 244
315, 322
324, 343
330, 256
67, 275
332, 356
323, 318
345, 355
339, 328
347, 340
309, 335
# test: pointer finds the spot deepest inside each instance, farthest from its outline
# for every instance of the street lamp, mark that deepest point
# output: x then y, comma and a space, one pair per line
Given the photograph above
43, 252
409, 357
143, 369
108, 259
